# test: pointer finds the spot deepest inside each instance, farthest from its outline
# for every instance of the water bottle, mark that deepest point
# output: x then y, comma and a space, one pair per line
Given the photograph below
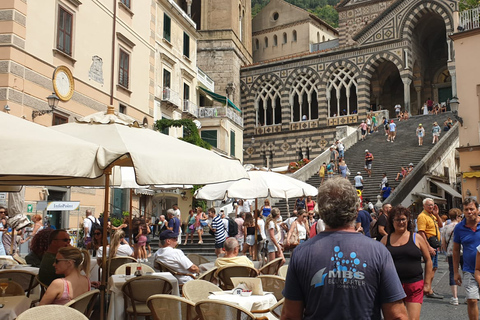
138, 272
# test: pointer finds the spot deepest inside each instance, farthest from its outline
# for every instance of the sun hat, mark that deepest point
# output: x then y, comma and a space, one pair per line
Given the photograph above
419, 124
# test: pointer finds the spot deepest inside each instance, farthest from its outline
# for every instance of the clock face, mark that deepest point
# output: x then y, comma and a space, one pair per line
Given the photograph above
63, 83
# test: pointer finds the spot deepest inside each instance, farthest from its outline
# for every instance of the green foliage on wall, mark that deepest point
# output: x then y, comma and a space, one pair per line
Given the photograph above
190, 131
468, 4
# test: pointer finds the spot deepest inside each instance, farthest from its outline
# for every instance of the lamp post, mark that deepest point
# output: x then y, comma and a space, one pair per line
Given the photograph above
53, 101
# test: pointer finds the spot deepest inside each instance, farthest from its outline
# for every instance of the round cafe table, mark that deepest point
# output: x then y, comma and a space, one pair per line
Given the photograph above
13, 306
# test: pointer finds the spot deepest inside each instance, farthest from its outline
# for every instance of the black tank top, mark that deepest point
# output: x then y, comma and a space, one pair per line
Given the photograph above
407, 259
250, 231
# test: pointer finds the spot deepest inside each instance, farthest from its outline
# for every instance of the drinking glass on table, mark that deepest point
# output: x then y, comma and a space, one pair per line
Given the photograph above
3, 287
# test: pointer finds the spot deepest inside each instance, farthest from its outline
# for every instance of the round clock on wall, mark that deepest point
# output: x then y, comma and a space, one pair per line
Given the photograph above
63, 83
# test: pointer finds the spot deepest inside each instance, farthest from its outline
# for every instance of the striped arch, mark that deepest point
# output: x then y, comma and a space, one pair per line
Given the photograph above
266, 91
375, 60
411, 19
268, 77
301, 71
337, 64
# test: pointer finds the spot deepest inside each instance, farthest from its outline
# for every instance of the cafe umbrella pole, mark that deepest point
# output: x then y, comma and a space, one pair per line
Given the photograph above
103, 286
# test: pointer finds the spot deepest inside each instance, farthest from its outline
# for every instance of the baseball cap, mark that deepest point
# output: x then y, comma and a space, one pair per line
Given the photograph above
366, 150
168, 234
419, 124
410, 164
359, 172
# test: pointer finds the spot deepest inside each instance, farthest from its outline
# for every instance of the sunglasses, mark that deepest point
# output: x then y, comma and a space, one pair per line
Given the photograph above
58, 260
97, 233
64, 240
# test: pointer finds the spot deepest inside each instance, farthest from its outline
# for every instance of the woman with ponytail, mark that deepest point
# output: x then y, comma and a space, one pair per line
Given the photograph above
70, 261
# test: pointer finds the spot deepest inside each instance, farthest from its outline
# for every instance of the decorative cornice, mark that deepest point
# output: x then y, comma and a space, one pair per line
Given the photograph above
125, 40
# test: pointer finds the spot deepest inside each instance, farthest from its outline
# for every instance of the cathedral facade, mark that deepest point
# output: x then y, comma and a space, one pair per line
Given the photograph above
386, 53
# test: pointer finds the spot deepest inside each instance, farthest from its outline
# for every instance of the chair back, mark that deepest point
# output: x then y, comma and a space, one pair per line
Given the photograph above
51, 311
43, 287
209, 275
271, 267
137, 290
114, 263
273, 284
276, 309
224, 275
165, 306
85, 302
8, 260
221, 310
14, 289
163, 268
197, 259
133, 266
197, 290
24, 278
282, 272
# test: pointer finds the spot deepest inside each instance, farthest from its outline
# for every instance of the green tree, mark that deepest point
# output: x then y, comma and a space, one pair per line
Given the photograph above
190, 131
327, 14
468, 4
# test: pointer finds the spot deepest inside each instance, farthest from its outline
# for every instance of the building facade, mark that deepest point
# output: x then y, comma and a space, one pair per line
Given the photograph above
466, 41
388, 53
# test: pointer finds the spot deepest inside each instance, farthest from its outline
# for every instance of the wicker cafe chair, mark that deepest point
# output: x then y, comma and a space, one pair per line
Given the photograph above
168, 307
136, 292
133, 266
51, 311
14, 289
271, 267
24, 278
275, 310
222, 310
224, 275
116, 262
282, 272
209, 276
163, 268
43, 287
273, 284
85, 302
197, 259
197, 290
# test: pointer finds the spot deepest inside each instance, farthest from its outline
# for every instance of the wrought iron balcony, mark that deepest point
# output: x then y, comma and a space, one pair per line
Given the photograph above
469, 19
190, 108
220, 112
171, 98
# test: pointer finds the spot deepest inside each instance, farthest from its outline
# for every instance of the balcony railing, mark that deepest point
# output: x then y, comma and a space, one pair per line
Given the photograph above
469, 19
171, 97
220, 112
205, 80
190, 107
330, 44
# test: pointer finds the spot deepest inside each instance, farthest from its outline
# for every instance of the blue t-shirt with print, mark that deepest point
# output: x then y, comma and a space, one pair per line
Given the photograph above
342, 275
365, 219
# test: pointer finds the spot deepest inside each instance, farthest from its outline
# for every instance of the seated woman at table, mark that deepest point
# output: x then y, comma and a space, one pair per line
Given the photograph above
69, 261
96, 242
118, 247
38, 246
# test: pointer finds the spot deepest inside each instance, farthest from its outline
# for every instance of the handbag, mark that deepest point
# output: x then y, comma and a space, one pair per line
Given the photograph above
203, 223
433, 241
191, 227
294, 239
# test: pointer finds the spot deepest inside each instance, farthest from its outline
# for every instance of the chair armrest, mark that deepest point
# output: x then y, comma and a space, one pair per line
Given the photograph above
260, 311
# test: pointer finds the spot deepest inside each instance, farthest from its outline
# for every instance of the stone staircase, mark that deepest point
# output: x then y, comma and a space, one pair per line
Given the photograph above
388, 157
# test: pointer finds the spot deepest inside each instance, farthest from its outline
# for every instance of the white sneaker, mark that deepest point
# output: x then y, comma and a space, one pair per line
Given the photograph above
454, 301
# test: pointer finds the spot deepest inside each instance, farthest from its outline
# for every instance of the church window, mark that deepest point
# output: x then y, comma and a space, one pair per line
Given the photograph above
303, 99
284, 37
275, 40
323, 38
294, 35
267, 104
342, 93
318, 37
257, 44
266, 42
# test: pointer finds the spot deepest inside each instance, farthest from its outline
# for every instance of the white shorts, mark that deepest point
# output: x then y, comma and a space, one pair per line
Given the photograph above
250, 240
272, 248
436, 134
470, 285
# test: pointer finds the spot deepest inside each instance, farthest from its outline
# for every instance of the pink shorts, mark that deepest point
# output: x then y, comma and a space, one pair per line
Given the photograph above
414, 292
142, 240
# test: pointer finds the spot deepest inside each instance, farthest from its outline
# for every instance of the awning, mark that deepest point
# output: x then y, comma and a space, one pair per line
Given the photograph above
220, 98
426, 195
447, 189
475, 174
144, 191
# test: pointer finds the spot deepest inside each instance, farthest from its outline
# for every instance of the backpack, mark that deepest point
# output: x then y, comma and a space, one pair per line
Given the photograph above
232, 227
95, 226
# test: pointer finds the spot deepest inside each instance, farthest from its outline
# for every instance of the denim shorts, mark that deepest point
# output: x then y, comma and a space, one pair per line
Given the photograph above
272, 248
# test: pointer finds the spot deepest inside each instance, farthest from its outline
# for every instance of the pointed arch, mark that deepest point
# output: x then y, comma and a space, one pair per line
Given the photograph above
303, 88
411, 18
267, 100
374, 61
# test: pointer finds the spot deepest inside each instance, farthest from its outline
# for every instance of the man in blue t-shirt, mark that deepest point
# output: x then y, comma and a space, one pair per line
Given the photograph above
467, 235
363, 220
173, 222
218, 228
341, 274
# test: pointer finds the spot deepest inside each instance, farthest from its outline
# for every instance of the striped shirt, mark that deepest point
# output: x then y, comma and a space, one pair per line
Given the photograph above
220, 232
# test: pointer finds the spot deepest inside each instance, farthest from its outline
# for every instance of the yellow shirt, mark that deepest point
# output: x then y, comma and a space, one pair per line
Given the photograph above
241, 260
425, 223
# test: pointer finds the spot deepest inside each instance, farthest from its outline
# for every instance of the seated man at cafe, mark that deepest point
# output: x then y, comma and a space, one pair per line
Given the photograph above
231, 257
58, 239
174, 258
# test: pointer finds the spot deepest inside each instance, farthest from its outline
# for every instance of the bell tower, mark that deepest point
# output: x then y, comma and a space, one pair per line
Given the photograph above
225, 44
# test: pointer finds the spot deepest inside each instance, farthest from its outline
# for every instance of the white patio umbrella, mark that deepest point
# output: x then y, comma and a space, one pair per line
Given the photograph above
157, 159
262, 184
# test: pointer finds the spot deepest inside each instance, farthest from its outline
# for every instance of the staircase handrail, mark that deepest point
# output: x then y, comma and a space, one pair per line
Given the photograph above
421, 168
312, 168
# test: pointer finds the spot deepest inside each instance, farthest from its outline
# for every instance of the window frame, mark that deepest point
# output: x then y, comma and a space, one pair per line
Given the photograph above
167, 27
121, 68
232, 143
210, 140
56, 116
186, 45
126, 3
64, 11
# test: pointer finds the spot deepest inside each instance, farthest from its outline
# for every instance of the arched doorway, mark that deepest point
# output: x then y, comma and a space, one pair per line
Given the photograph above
386, 87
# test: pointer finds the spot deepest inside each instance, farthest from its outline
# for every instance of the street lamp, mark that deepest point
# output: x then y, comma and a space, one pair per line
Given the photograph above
53, 101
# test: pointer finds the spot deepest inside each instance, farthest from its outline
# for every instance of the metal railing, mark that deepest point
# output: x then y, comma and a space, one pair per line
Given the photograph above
205, 79
469, 19
190, 107
171, 96
220, 112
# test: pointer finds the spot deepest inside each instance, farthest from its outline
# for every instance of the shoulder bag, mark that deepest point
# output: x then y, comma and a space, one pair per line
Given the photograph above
433, 241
